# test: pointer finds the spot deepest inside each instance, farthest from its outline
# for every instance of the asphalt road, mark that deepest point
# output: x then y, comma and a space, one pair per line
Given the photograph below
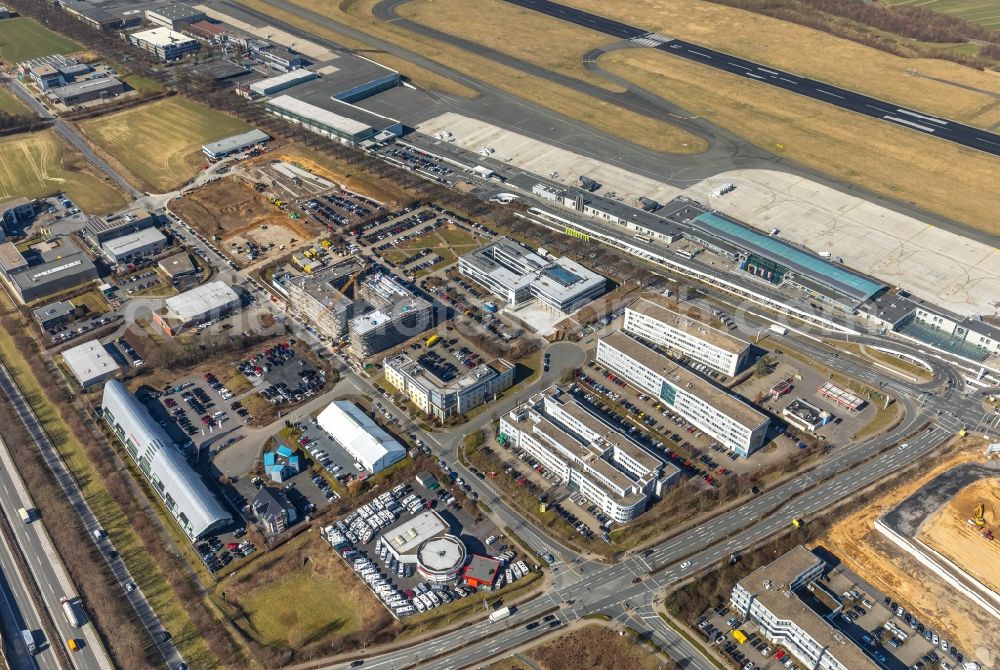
49, 573
17, 613
928, 124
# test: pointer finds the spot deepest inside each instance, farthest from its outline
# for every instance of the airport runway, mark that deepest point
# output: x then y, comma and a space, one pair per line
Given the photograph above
952, 131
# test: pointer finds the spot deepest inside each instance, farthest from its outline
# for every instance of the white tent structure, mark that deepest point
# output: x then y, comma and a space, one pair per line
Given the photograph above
362, 438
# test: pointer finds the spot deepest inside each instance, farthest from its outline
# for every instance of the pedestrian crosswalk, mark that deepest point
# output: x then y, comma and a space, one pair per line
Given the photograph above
651, 40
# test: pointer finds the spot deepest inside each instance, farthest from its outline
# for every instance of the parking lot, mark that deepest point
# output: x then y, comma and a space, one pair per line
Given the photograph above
341, 209
281, 375
358, 539
198, 412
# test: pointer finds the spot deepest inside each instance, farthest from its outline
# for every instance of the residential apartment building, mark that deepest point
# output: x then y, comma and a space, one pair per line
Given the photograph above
772, 596
445, 399
714, 410
654, 319
589, 454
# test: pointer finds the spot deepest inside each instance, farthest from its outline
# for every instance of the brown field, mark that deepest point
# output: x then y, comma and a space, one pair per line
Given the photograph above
654, 134
230, 206
940, 177
343, 174
771, 41
595, 647
864, 550
950, 533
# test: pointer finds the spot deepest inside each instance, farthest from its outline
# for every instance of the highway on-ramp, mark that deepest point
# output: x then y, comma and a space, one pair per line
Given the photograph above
929, 124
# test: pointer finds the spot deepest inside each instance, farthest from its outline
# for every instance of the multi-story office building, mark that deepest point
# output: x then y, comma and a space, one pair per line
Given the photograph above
771, 596
653, 319
397, 315
519, 275
587, 452
317, 298
734, 423
164, 43
445, 399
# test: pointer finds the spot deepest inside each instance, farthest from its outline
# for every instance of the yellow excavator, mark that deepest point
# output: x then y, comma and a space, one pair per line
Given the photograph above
978, 517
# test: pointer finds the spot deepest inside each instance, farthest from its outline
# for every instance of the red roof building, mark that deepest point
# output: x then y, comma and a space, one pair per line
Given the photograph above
481, 572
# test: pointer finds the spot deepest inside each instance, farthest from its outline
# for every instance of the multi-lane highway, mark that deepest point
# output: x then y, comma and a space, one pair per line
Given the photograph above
928, 124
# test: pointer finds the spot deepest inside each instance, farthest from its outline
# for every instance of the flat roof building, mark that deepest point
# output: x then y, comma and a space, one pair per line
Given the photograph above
397, 315
317, 298
90, 363
165, 43
371, 447
178, 266
587, 452
518, 275
234, 144
713, 409
656, 319
280, 82
11, 259
336, 120
806, 416
97, 231
772, 597
55, 315
481, 572
43, 273
88, 90
197, 305
185, 495
174, 15
443, 399
134, 246
424, 541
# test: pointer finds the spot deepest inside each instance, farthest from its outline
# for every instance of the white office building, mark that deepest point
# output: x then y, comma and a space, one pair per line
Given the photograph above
90, 363
519, 276
371, 447
445, 399
771, 597
134, 246
587, 452
714, 410
654, 319
164, 43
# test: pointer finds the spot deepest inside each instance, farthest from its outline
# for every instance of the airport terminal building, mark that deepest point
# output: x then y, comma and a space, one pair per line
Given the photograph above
713, 409
189, 500
589, 454
654, 319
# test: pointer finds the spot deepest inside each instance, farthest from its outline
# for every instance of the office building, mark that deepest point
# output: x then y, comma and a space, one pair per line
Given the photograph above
175, 15
444, 399
16, 213
90, 363
98, 231
518, 276
396, 315
45, 269
183, 492
132, 247
806, 416
424, 541
775, 598
54, 316
198, 305
712, 409
656, 319
178, 266
234, 144
273, 511
164, 43
368, 444
319, 297
587, 452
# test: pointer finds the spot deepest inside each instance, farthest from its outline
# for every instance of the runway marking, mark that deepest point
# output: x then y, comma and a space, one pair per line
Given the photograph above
789, 80
755, 76
819, 90
698, 53
764, 69
932, 119
905, 122
738, 65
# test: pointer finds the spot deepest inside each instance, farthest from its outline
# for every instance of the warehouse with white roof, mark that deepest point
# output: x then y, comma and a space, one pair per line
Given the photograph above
369, 445
134, 246
90, 363
184, 493
336, 120
200, 304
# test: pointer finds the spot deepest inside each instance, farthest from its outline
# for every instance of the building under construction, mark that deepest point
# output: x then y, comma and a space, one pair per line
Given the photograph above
323, 299
392, 315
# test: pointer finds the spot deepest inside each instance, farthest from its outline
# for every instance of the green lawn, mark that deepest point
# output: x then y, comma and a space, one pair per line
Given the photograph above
160, 142
37, 164
983, 12
21, 39
144, 85
11, 105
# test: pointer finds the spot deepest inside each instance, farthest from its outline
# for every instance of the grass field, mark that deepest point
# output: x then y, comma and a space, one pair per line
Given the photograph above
596, 646
37, 164
812, 53
940, 177
651, 133
983, 12
21, 39
160, 142
11, 105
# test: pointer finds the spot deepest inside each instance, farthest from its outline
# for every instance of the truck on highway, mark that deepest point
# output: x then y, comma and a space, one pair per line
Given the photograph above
780, 330
499, 614
72, 616
29, 641
25, 514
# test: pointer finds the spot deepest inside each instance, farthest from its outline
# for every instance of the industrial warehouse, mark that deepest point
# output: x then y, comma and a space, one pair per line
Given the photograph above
446, 399
44, 269
369, 445
518, 276
589, 454
183, 492
654, 319
197, 305
734, 423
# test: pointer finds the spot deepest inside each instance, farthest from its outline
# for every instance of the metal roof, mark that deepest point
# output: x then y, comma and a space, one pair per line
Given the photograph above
169, 471
202, 300
360, 436
89, 362
321, 116
236, 142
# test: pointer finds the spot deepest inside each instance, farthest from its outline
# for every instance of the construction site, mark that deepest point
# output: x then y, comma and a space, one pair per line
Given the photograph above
900, 541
